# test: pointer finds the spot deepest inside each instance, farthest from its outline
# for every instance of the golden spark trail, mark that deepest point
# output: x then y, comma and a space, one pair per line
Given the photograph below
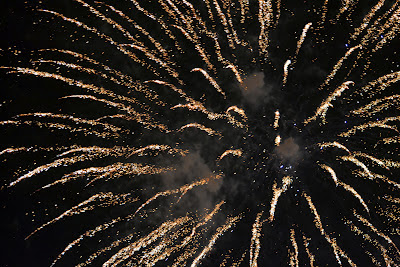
311, 257
145, 33
128, 251
277, 192
286, 71
121, 79
220, 231
380, 84
104, 199
335, 144
112, 171
301, 40
276, 120
210, 80
235, 152
277, 140
367, 19
377, 106
323, 108
255, 245
107, 38
93, 88
183, 190
368, 125
294, 259
224, 22
338, 66
318, 224
209, 131
374, 229
265, 18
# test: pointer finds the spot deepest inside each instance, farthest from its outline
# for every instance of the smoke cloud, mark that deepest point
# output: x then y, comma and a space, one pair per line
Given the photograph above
254, 89
288, 150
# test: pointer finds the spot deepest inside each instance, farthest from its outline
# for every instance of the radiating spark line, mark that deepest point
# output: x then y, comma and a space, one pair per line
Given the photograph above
224, 22
277, 192
323, 108
374, 242
235, 152
368, 125
317, 221
302, 38
345, 186
236, 72
105, 199
144, 32
324, 11
220, 231
380, 84
159, 21
383, 163
347, 6
255, 245
374, 229
119, 47
277, 140
377, 106
331, 172
265, 18
93, 88
129, 250
286, 71
367, 19
335, 144
121, 79
210, 80
294, 260
358, 163
311, 257
338, 66
183, 190
209, 131
113, 171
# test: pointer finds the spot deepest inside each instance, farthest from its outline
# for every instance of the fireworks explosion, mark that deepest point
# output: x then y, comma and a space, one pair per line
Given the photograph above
208, 132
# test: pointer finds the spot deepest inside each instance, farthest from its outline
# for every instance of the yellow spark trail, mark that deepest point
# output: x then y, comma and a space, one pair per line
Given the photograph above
294, 259
338, 66
303, 37
286, 71
372, 124
345, 186
265, 18
104, 199
323, 108
276, 120
220, 231
209, 131
235, 152
311, 257
277, 192
318, 224
210, 80
367, 19
129, 250
335, 144
255, 245
183, 190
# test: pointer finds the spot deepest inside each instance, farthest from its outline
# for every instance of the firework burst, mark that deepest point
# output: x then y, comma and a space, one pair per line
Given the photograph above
213, 132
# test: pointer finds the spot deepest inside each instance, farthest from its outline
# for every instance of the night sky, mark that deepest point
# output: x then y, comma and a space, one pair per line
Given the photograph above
268, 119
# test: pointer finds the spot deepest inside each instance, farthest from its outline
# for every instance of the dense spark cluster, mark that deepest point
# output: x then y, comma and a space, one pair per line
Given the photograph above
213, 132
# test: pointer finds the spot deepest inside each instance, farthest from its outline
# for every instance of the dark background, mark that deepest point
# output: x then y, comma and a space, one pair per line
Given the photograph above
23, 30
